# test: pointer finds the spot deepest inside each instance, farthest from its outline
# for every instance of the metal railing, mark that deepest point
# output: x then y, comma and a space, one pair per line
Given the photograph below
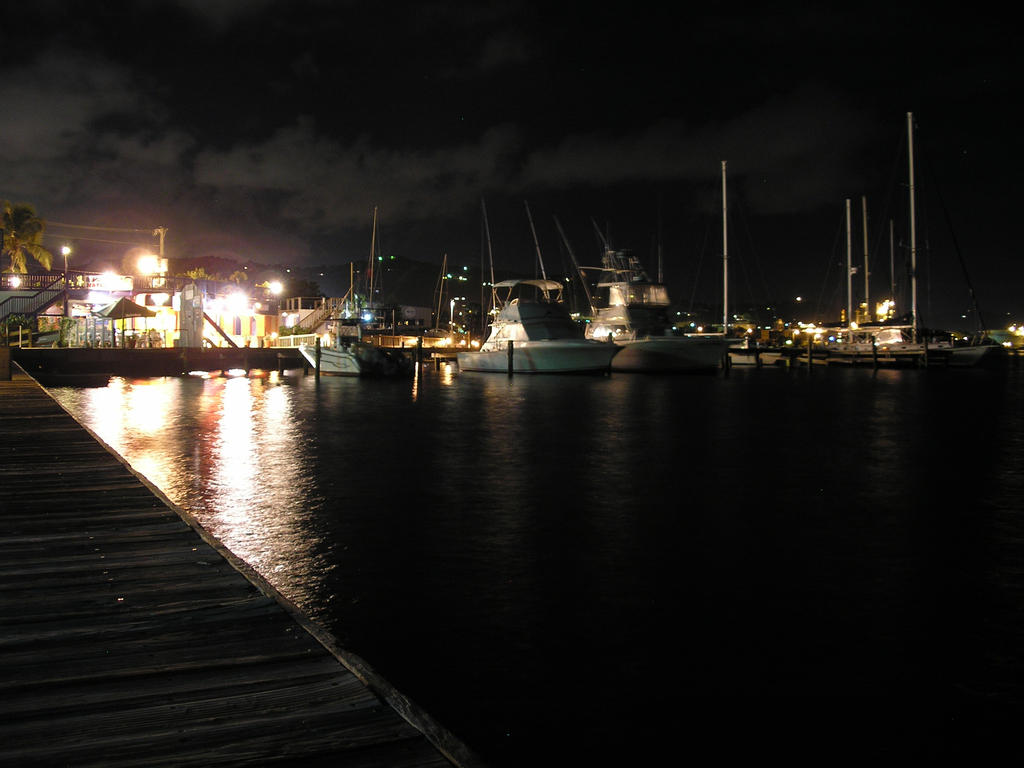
45, 295
296, 340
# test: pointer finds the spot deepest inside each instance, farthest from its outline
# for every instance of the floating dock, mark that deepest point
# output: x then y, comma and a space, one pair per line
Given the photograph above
130, 637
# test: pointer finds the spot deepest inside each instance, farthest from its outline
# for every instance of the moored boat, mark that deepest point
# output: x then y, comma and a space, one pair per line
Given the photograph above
344, 356
532, 332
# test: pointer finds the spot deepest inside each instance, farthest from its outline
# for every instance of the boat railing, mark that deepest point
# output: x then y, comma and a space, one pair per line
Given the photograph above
295, 340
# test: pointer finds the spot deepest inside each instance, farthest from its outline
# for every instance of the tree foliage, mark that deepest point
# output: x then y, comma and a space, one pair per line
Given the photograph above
23, 237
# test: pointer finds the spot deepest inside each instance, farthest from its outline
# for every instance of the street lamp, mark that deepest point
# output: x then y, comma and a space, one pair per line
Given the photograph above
66, 250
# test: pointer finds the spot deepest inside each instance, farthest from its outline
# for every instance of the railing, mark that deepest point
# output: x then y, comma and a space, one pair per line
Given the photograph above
296, 340
27, 305
328, 309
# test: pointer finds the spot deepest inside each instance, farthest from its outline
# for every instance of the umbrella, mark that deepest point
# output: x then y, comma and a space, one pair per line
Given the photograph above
123, 309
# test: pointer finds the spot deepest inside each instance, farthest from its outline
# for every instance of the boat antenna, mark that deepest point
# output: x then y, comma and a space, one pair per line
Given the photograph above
661, 274
725, 259
867, 274
373, 253
849, 270
490, 253
600, 235
536, 244
583, 277
440, 292
913, 224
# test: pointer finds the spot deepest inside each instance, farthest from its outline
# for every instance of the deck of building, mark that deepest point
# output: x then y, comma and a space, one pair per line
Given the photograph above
130, 637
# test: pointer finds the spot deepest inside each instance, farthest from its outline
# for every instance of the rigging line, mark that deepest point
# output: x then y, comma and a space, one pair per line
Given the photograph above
769, 299
835, 245
956, 244
152, 230
888, 208
700, 263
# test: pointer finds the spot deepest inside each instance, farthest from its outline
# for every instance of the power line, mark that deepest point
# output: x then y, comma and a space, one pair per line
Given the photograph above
94, 239
152, 230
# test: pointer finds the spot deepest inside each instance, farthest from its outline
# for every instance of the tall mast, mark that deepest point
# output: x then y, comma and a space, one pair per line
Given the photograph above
849, 269
373, 252
661, 274
892, 261
490, 254
725, 260
536, 245
864, 216
440, 291
913, 224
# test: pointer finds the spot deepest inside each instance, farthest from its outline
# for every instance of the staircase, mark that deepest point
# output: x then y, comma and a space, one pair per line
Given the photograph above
34, 304
316, 319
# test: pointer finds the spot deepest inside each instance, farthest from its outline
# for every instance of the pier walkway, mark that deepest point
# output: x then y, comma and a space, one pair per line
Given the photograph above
130, 637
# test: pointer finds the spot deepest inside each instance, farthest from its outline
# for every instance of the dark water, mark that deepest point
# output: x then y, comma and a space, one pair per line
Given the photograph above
599, 570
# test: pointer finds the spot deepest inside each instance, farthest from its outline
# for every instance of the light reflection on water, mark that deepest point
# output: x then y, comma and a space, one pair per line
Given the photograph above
228, 450
495, 545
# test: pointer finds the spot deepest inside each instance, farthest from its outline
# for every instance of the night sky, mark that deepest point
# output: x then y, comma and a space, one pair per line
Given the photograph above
268, 131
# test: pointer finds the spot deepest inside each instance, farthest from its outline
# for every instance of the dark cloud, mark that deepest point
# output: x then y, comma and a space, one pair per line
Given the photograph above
276, 127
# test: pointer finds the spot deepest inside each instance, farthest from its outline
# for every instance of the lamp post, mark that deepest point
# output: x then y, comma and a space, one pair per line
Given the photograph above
66, 251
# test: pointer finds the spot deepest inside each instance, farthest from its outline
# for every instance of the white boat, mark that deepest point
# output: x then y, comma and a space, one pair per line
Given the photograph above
631, 310
346, 356
532, 332
337, 358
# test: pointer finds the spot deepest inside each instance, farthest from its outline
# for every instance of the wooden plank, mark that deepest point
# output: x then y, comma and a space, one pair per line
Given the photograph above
130, 637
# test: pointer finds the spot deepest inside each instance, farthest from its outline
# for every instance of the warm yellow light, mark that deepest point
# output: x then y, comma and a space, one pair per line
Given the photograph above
276, 287
159, 299
149, 264
238, 303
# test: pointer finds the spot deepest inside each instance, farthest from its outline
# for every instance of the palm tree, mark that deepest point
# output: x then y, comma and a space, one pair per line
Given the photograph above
23, 236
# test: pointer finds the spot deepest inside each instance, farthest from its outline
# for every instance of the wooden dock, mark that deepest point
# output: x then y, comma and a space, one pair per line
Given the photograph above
130, 637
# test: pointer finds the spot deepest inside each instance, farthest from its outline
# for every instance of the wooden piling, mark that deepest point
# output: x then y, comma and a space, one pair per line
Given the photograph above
511, 355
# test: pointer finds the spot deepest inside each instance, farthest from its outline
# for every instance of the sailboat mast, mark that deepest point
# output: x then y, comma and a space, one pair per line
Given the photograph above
536, 244
440, 291
725, 259
864, 216
849, 269
913, 224
373, 251
490, 254
892, 261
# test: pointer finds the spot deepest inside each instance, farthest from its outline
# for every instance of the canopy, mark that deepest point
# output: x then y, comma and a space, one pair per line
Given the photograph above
123, 308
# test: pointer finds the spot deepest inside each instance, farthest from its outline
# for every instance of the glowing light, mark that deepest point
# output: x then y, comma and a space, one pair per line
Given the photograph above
15, 281
159, 299
276, 287
148, 264
238, 303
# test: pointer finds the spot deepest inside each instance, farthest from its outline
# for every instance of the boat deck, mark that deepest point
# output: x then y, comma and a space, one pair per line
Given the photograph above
130, 637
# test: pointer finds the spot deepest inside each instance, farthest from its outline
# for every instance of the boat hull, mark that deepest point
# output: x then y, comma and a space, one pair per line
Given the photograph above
333, 360
682, 354
554, 356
